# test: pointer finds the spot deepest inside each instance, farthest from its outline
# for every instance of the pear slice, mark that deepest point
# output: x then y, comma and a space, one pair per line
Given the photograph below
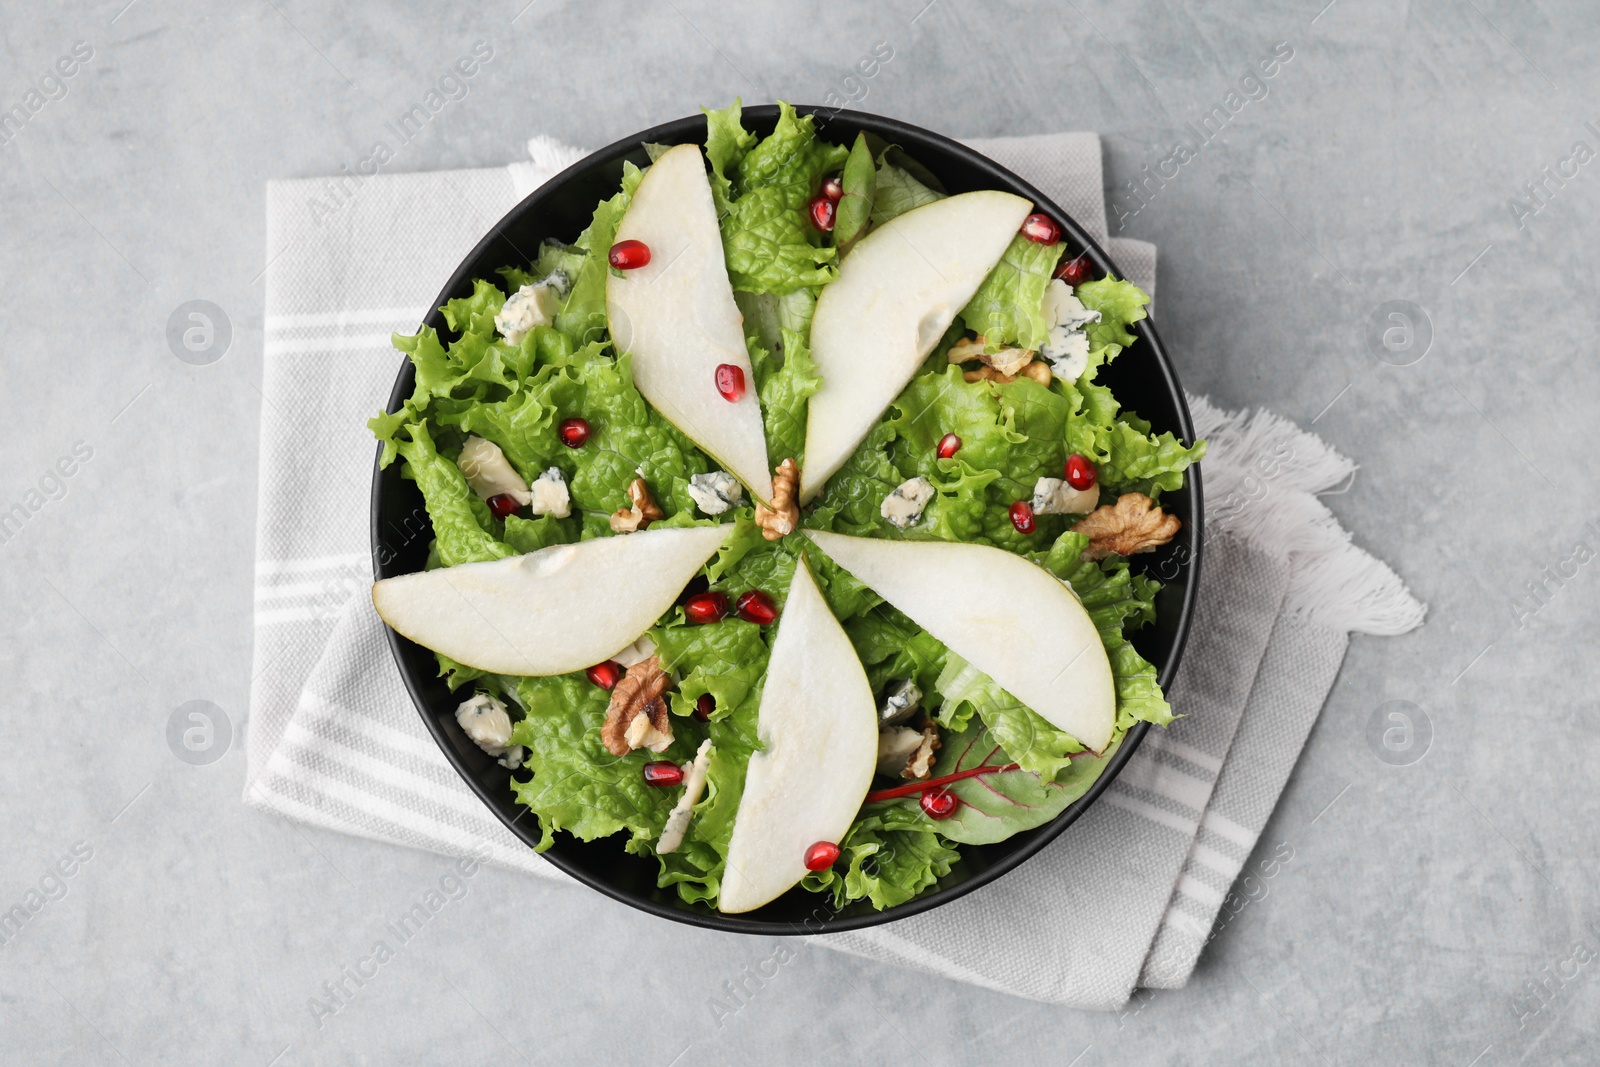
897, 292
677, 317
1011, 619
819, 731
537, 613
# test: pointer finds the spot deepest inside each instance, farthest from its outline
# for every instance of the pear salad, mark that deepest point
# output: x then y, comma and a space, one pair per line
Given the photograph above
780, 523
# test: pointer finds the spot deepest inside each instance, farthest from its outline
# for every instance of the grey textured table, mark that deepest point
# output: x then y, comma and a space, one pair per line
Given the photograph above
1436, 910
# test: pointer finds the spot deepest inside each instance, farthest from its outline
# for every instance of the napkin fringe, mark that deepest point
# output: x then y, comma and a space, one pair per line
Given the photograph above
1286, 523
550, 155
1349, 589
1264, 451
1264, 494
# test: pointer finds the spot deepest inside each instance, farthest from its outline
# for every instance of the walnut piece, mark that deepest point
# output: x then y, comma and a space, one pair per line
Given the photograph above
637, 715
1038, 370
921, 761
907, 752
779, 520
1008, 361
896, 746
643, 512
1132, 524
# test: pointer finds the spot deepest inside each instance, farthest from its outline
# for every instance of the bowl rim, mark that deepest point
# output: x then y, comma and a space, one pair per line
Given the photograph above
683, 130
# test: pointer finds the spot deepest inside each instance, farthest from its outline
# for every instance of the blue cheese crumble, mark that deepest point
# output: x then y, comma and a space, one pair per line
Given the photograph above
903, 508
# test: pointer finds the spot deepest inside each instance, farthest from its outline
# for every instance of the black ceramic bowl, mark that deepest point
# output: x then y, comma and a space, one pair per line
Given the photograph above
1142, 378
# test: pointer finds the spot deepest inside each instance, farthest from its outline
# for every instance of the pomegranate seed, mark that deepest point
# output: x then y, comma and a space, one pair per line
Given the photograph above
833, 188
606, 675
757, 607
939, 803
730, 382
822, 211
1041, 229
1022, 516
821, 856
1080, 472
1075, 271
704, 707
663, 773
574, 432
629, 255
949, 445
704, 608
503, 505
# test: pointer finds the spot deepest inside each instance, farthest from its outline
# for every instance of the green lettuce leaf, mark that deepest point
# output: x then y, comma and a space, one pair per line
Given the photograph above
583, 314
742, 539
784, 392
855, 208
475, 313
1127, 456
553, 256
456, 675
628, 437
1006, 308
1139, 462
460, 519
576, 784
887, 857
1030, 741
1115, 598
477, 366
727, 660
850, 501
530, 535
1120, 304
695, 868
998, 804
892, 647
523, 422
727, 141
756, 563
895, 192
767, 236
1010, 435
767, 315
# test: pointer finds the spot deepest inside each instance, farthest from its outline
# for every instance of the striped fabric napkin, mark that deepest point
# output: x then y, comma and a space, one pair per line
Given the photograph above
1126, 897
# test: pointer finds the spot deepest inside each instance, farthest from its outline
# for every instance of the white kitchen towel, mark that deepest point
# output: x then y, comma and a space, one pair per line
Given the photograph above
1127, 896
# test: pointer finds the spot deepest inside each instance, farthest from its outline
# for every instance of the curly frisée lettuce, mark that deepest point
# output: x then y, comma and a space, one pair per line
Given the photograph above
1008, 768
